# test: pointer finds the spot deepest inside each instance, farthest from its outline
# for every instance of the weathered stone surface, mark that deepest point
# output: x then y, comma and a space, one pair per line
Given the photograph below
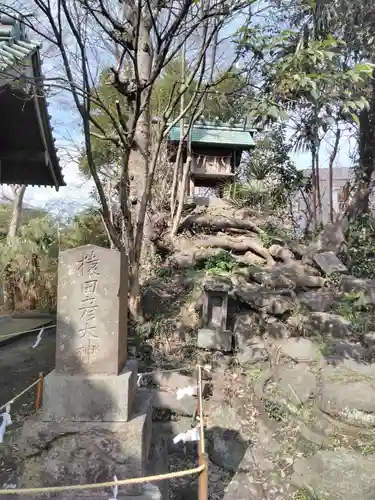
365, 287
329, 263
349, 401
217, 284
226, 447
216, 340
337, 475
88, 398
254, 351
245, 327
82, 453
171, 380
317, 301
276, 329
327, 324
300, 349
291, 273
297, 384
348, 350
91, 312
163, 400
249, 346
282, 253
258, 297
369, 339
274, 280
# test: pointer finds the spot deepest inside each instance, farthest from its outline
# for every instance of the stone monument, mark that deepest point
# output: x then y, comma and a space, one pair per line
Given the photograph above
93, 424
214, 333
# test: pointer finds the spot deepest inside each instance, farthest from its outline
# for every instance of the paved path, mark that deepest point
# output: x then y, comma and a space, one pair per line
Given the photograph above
20, 365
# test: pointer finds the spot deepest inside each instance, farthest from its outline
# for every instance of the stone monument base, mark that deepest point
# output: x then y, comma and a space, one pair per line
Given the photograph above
67, 453
87, 398
215, 340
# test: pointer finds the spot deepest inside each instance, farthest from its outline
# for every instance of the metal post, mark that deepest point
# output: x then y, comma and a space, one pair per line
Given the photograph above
39, 392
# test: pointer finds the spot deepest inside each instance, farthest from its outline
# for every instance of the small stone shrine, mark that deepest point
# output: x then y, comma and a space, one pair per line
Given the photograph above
213, 333
93, 424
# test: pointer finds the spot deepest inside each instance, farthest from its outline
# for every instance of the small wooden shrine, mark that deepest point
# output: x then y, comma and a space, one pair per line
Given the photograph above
217, 150
27, 151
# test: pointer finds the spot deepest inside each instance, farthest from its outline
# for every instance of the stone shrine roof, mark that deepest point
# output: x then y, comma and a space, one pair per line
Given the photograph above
218, 134
27, 151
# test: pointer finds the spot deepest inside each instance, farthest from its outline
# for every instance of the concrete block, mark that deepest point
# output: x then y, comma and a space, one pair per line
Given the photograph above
215, 340
85, 398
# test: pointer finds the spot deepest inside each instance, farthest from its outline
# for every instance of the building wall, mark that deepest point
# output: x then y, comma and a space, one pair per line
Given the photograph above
341, 176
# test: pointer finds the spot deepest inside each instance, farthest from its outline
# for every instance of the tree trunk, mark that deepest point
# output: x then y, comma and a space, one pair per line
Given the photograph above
139, 170
16, 213
360, 202
332, 159
313, 193
134, 304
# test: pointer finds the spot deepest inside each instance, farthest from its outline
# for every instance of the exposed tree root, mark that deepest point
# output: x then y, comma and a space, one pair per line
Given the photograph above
218, 223
240, 244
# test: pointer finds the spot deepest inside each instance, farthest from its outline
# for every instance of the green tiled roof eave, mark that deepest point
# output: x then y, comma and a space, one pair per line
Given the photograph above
220, 136
15, 52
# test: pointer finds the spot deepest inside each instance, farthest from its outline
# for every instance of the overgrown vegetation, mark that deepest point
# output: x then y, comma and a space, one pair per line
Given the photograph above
359, 252
221, 263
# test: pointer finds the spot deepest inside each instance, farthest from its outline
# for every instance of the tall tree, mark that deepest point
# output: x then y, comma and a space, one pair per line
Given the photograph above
143, 37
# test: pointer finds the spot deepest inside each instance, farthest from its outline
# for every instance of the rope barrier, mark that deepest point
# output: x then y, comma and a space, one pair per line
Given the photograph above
139, 480
21, 393
9, 335
120, 482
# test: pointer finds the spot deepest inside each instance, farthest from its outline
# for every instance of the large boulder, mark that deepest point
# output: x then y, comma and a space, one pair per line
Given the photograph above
276, 329
289, 275
317, 300
348, 399
296, 384
329, 324
337, 475
365, 287
301, 350
262, 299
249, 346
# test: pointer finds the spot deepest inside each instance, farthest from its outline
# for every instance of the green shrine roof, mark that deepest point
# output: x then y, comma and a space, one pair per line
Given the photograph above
28, 154
223, 134
15, 47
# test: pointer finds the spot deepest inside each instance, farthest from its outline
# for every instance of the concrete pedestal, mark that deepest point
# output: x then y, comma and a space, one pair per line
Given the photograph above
90, 398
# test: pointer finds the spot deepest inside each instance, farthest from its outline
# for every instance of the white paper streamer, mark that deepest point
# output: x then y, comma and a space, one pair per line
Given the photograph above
139, 379
114, 490
39, 338
186, 391
190, 435
6, 421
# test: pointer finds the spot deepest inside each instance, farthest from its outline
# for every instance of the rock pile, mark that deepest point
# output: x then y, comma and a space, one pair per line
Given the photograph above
287, 299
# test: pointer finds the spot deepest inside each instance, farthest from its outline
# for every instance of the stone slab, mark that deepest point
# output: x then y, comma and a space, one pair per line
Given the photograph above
171, 380
329, 263
65, 453
88, 398
91, 311
214, 340
163, 400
